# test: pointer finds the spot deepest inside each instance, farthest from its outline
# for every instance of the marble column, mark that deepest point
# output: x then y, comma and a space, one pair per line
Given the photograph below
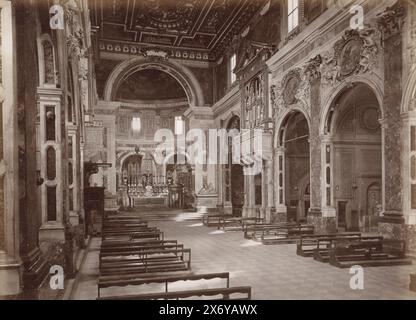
280, 188
323, 224
409, 178
392, 221
269, 190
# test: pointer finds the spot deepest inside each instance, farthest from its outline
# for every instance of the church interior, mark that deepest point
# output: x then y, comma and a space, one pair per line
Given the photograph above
207, 149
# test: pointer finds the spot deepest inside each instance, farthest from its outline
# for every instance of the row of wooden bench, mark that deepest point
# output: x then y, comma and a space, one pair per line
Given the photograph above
345, 250
256, 229
134, 254
342, 250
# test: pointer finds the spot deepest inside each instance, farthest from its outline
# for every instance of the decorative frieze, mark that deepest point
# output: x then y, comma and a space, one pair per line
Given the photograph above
294, 90
146, 51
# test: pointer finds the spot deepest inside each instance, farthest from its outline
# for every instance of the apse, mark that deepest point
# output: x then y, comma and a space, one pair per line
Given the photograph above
150, 85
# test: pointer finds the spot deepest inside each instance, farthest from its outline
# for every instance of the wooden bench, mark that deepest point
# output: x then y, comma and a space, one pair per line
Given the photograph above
152, 233
207, 219
140, 242
225, 294
309, 243
285, 234
324, 246
369, 254
137, 280
255, 231
134, 251
159, 260
120, 225
236, 223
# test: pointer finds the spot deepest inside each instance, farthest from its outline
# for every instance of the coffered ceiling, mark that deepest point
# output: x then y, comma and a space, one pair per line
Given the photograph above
203, 27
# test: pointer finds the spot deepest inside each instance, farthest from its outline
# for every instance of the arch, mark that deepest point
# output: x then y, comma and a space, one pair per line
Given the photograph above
128, 154
282, 119
231, 119
182, 74
409, 96
374, 86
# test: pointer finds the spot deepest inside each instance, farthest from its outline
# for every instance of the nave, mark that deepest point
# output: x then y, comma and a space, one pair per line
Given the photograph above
273, 272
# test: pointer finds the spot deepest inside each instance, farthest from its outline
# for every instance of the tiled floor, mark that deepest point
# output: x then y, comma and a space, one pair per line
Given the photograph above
273, 272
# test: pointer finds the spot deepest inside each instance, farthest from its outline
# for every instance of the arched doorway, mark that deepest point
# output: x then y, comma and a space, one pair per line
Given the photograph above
355, 131
233, 173
294, 137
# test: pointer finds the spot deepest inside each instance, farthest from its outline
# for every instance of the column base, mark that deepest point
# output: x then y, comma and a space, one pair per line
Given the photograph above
10, 277
262, 213
279, 215
227, 209
269, 213
206, 203
392, 226
322, 225
249, 212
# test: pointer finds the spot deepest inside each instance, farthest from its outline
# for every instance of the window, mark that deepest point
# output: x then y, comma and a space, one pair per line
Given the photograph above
179, 125
233, 64
136, 124
293, 14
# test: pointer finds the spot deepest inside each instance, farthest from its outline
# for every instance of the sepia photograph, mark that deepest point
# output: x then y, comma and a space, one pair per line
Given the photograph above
187, 150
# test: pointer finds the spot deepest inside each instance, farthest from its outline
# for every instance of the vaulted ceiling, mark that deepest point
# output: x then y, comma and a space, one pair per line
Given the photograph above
203, 27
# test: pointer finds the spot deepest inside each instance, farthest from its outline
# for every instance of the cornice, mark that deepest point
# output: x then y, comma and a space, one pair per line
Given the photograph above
230, 99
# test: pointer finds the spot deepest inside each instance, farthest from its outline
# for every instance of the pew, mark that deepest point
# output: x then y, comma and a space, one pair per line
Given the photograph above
285, 234
255, 231
157, 260
153, 233
324, 247
236, 223
225, 294
137, 280
211, 220
309, 243
369, 254
112, 253
112, 245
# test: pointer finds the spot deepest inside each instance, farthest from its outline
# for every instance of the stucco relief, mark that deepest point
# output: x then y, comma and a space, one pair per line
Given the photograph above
293, 91
355, 53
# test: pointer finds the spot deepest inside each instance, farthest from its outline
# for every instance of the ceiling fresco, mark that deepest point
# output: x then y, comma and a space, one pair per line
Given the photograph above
204, 26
